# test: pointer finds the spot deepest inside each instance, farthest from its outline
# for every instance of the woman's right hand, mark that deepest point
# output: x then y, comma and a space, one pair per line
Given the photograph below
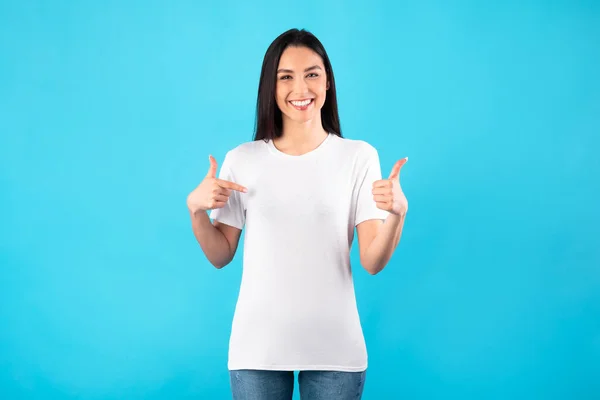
212, 193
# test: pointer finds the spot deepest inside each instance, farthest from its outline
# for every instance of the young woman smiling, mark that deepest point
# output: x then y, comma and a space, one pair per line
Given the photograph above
299, 189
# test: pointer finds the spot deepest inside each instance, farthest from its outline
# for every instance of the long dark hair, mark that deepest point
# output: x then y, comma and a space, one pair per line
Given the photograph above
268, 115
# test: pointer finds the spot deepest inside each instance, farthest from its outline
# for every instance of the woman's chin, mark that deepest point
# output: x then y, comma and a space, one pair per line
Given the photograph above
299, 117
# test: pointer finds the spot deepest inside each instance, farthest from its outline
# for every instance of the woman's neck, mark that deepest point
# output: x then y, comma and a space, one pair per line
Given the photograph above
300, 138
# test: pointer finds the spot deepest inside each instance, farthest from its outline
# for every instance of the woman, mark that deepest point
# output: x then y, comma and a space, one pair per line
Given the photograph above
299, 189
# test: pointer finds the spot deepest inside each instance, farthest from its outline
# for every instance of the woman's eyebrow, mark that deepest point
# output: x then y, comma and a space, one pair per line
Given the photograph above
289, 71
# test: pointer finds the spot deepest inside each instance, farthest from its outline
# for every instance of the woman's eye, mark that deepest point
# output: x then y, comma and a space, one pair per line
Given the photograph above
285, 77
312, 75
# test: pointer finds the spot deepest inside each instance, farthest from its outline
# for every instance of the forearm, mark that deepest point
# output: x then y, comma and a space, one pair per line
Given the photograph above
212, 241
380, 251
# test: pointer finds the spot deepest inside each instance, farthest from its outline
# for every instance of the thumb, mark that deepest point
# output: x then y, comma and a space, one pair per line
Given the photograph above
397, 167
212, 171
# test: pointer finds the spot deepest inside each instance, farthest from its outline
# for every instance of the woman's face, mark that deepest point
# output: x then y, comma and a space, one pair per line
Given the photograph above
301, 84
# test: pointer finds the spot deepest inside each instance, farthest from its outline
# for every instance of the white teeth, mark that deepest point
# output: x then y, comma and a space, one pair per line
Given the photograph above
301, 103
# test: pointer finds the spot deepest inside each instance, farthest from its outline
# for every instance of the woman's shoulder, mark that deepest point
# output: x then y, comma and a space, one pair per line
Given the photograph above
359, 147
247, 149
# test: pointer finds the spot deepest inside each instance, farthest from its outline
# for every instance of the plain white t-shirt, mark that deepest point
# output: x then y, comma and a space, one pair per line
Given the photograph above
296, 308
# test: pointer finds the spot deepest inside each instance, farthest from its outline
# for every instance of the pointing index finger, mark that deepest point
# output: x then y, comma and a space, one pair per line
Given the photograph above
231, 185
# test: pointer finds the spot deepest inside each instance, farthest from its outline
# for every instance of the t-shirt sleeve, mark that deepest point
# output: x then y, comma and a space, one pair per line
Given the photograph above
366, 208
233, 213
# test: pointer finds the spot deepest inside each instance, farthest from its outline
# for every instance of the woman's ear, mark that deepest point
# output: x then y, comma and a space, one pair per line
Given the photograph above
327, 88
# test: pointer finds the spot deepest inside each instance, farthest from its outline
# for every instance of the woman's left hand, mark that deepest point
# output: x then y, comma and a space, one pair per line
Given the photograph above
388, 194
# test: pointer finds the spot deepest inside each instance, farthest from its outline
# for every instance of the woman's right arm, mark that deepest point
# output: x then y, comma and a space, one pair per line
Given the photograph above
218, 241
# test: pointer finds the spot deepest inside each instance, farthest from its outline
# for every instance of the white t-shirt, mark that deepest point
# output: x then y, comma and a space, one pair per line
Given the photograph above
296, 308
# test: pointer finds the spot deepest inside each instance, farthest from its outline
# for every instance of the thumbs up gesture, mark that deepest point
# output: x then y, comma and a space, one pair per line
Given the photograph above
388, 194
212, 193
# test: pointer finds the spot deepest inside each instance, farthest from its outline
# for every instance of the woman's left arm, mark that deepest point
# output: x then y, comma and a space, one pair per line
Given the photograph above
377, 240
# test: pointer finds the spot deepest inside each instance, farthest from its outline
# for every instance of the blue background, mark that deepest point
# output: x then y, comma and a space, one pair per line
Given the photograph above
108, 111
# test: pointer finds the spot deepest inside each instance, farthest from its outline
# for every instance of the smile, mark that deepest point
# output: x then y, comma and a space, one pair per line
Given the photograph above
301, 104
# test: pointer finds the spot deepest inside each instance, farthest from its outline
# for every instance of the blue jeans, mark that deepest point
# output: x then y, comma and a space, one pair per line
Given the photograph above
279, 385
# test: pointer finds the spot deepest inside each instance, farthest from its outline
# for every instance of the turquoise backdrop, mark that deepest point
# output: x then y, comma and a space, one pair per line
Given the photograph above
109, 109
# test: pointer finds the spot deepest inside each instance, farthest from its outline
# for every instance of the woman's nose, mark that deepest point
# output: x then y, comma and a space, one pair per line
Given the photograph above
300, 86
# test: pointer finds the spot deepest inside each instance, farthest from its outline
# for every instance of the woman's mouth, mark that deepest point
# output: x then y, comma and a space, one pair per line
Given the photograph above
302, 105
